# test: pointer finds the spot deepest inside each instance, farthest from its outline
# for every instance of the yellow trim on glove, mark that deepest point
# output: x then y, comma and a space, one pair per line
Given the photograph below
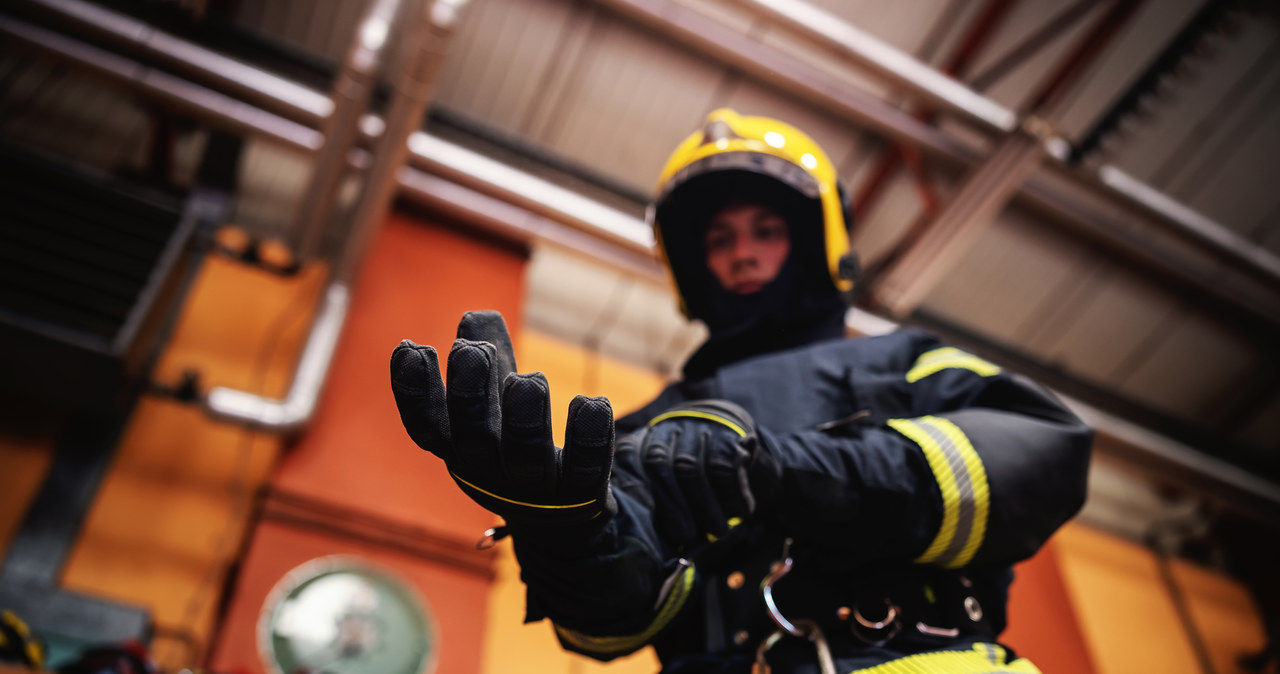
698, 415
521, 503
622, 644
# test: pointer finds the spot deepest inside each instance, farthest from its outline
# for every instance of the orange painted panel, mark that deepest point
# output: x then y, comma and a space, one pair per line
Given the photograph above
1224, 614
1129, 619
416, 283
1043, 625
456, 599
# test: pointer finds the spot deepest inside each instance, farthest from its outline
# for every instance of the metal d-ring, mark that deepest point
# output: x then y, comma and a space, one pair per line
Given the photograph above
890, 621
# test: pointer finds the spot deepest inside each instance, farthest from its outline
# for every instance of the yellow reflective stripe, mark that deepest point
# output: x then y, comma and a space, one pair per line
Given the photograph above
698, 415
949, 357
618, 644
946, 480
521, 503
981, 659
981, 490
962, 481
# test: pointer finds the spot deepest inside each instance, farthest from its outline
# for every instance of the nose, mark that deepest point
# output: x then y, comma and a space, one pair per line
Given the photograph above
743, 249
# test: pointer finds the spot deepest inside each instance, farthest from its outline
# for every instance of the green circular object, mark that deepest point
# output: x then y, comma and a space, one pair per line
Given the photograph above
343, 615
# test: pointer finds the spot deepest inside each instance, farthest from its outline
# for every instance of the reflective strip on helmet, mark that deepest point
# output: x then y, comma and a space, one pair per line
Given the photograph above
963, 482
621, 644
982, 658
949, 357
792, 175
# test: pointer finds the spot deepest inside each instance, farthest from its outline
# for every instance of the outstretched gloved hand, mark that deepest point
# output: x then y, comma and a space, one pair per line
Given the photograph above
492, 428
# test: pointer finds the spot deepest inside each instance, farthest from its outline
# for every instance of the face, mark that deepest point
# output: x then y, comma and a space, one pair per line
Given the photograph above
746, 246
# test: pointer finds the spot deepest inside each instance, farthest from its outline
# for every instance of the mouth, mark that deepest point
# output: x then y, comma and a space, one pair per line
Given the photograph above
746, 287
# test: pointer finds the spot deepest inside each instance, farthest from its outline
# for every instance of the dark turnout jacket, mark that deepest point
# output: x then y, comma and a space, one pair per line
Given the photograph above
913, 475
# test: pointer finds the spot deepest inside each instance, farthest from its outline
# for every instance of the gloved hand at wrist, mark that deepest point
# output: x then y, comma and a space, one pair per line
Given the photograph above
492, 428
706, 466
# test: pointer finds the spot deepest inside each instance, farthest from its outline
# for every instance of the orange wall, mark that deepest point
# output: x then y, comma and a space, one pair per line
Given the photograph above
1043, 624
453, 596
416, 282
1129, 617
170, 512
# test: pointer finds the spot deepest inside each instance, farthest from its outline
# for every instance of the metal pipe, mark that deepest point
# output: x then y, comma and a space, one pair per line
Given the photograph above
881, 58
989, 18
425, 47
700, 32
290, 414
245, 82
921, 263
424, 51
174, 92
465, 166
515, 222
351, 92
985, 192
1086, 51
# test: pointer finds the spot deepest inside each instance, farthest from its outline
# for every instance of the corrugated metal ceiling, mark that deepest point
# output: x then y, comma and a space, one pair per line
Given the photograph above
580, 83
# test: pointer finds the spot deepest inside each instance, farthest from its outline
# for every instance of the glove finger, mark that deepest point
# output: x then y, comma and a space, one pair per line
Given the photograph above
420, 397
475, 415
671, 512
528, 452
691, 475
588, 449
488, 326
727, 474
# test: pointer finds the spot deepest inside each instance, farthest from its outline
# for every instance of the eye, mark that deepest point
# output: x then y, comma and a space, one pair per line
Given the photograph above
719, 239
770, 229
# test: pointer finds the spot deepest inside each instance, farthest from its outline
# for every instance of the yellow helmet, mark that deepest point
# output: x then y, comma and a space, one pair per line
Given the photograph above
754, 159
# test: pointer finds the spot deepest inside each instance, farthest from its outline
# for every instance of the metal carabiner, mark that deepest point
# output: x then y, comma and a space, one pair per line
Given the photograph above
776, 572
805, 629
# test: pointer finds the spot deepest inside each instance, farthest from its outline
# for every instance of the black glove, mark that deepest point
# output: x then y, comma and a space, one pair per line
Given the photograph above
493, 431
705, 466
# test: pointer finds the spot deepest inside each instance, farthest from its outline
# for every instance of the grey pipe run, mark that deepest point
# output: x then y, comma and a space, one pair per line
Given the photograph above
1160, 455
352, 89
726, 44
292, 413
902, 70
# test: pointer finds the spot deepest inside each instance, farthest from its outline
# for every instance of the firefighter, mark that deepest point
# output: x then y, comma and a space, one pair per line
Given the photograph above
800, 501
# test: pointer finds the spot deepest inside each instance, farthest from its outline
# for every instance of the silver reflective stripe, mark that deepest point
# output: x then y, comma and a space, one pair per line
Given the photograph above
964, 485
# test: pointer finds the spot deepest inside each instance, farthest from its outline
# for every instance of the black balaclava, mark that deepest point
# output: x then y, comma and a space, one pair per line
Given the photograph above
799, 306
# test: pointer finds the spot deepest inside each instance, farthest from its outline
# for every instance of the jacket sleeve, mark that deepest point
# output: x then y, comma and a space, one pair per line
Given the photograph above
608, 596
982, 468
